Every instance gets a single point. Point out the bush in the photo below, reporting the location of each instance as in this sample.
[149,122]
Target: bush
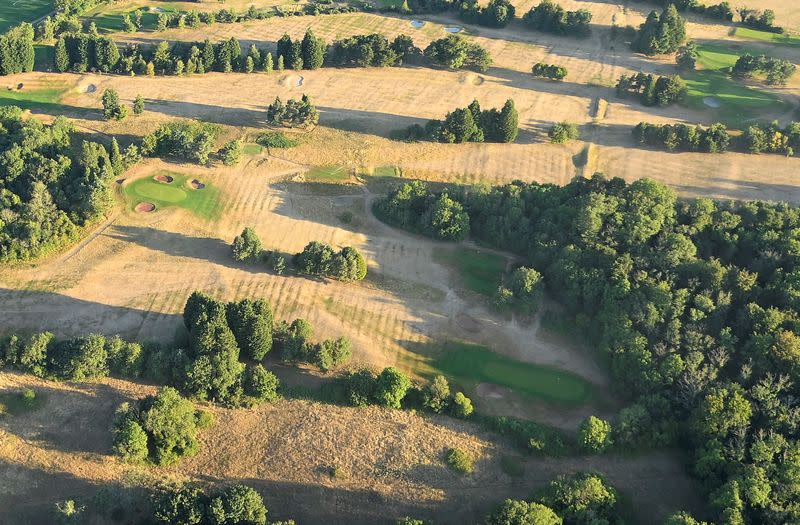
[595,434]
[130,440]
[275,139]
[358,387]
[460,461]
[540,69]
[261,384]
[330,353]
[461,406]
[391,387]
[563,132]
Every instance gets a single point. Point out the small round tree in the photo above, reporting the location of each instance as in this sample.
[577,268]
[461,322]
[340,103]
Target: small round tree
[391,387]
[595,434]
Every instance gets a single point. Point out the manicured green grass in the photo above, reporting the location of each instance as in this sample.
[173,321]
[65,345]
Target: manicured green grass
[481,272]
[739,103]
[203,202]
[474,364]
[40,98]
[13,12]
[333,173]
[766,36]
[252,149]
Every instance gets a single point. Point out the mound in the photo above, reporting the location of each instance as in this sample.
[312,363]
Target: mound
[166,179]
[197,185]
[145,207]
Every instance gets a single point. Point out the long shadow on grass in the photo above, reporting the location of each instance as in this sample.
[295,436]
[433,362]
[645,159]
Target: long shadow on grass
[745,190]
[27,311]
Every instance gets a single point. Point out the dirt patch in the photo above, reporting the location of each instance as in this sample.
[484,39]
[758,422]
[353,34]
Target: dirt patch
[491,391]
[468,323]
[197,185]
[166,179]
[145,207]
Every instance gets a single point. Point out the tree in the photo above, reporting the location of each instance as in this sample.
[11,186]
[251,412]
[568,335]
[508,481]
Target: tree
[331,353]
[563,132]
[268,66]
[61,56]
[138,105]
[461,406]
[585,498]
[261,384]
[519,512]
[507,126]
[117,162]
[313,50]
[391,387]
[127,23]
[240,505]
[349,265]
[595,434]
[112,109]
[130,440]
[436,394]
[687,56]
[294,57]
[251,323]
[660,34]
[231,153]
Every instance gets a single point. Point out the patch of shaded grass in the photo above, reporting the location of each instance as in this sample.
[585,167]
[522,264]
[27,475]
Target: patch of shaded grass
[474,364]
[766,36]
[481,272]
[512,465]
[329,174]
[202,202]
[20,402]
[40,98]
[15,12]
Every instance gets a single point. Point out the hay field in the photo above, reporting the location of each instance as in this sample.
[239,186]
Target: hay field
[393,460]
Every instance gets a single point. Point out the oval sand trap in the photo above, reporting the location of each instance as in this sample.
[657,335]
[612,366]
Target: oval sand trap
[91,88]
[145,207]
[471,78]
[454,29]
[712,102]
[417,24]
[197,185]
[291,80]
[166,179]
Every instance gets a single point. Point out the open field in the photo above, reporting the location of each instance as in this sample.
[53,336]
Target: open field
[13,12]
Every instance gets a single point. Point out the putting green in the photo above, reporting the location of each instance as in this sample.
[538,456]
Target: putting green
[178,193]
[474,364]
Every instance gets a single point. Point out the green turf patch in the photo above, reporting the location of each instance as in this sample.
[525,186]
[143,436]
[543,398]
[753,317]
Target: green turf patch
[766,36]
[16,403]
[335,173]
[179,193]
[110,20]
[473,364]
[275,139]
[481,272]
[252,149]
[13,12]
[47,97]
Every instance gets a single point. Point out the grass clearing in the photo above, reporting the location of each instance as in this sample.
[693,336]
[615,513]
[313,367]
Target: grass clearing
[766,36]
[44,96]
[16,403]
[329,174]
[13,12]
[480,271]
[252,149]
[474,364]
[201,202]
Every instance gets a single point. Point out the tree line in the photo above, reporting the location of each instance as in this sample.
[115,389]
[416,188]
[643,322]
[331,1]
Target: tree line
[470,124]
[775,70]
[52,184]
[550,17]
[16,50]
[721,11]
[653,90]
[693,301]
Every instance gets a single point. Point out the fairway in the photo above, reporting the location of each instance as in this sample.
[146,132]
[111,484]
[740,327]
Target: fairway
[766,36]
[179,193]
[328,174]
[480,272]
[13,12]
[478,364]
[41,96]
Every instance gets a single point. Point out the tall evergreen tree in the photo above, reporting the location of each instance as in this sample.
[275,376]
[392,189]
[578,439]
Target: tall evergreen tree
[313,50]
[507,123]
[61,56]
[295,58]
[284,48]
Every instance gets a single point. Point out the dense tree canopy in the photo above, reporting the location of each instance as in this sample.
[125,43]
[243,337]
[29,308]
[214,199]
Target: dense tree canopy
[660,34]
[550,17]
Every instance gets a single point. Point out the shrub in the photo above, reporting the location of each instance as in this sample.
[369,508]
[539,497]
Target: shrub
[391,387]
[460,461]
[261,384]
[124,358]
[563,132]
[330,353]
[130,440]
[461,406]
[540,69]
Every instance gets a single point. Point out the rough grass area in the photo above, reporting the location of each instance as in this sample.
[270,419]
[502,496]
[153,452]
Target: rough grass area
[178,193]
[19,402]
[766,36]
[739,103]
[480,271]
[13,12]
[38,97]
[335,173]
[473,364]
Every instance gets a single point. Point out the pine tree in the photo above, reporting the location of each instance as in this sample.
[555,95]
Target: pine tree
[138,105]
[209,56]
[508,123]
[295,58]
[284,47]
[280,63]
[255,54]
[313,50]
[61,56]
[249,65]
[268,62]
[117,162]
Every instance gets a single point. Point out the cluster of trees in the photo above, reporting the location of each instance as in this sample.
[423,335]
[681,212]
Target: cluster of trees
[455,52]
[321,259]
[652,89]
[292,114]
[776,70]
[293,340]
[50,184]
[16,50]
[235,505]
[308,53]
[721,11]
[82,52]
[371,50]
[562,132]
[757,19]
[497,13]
[186,140]
[540,69]
[772,138]
[246,247]
[684,137]
[470,124]
[413,207]
[161,428]
[552,18]
[695,304]
[181,19]
[660,34]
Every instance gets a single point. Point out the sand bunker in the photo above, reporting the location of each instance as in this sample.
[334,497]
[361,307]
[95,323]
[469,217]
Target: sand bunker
[91,88]
[491,391]
[166,179]
[468,323]
[145,207]
[712,102]
[197,185]
[119,181]
[291,80]
[157,10]
[471,78]
[417,24]
[454,29]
